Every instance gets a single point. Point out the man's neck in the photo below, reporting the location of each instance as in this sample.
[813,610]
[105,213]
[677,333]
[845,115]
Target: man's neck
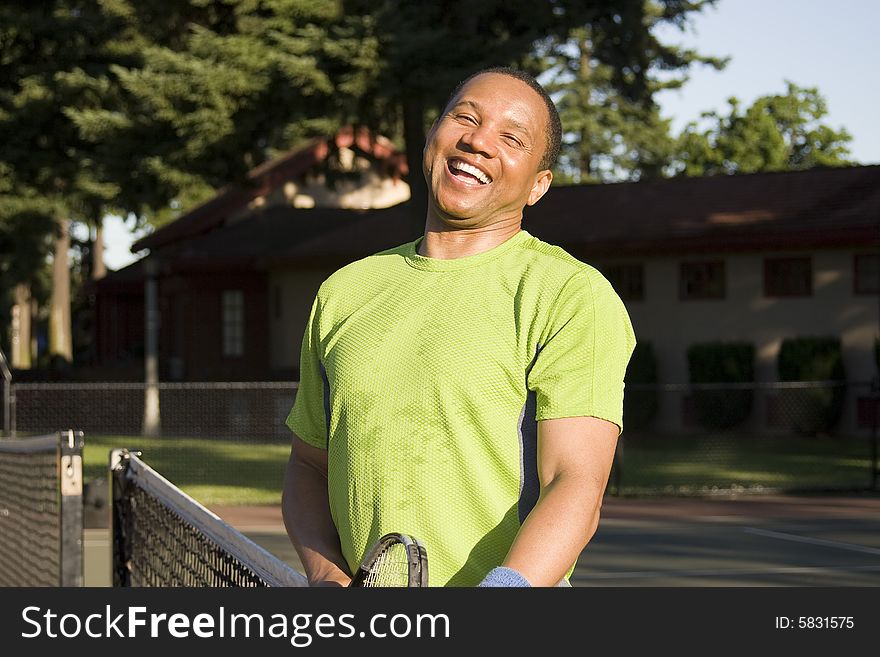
[444,243]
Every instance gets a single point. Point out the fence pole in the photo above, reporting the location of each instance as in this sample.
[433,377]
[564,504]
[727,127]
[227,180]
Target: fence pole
[152,423]
[8,426]
[875,421]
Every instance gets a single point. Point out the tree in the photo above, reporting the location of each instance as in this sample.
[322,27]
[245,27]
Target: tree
[777,132]
[217,87]
[601,53]
[47,177]
[605,93]
[214,89]
[147,108]
[25,223]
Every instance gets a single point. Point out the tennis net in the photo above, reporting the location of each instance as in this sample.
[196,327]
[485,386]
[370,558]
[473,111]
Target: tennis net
[41,513]
[163,537]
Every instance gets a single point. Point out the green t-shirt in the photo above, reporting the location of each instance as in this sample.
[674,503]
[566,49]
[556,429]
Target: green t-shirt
[425,379]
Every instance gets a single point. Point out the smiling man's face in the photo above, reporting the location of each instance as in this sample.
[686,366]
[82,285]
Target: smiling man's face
[482,157]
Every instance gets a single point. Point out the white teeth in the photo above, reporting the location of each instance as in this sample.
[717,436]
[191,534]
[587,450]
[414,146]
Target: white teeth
[474,171]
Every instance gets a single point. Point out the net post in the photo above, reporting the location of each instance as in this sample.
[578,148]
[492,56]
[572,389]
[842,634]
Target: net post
[70,449]
[117,467]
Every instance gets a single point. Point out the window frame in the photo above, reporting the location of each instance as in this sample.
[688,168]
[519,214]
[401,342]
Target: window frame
[624,286]
[860,290]
[769,261]
[682,290]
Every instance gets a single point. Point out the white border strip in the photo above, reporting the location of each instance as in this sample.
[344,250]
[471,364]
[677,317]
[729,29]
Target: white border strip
[852,547]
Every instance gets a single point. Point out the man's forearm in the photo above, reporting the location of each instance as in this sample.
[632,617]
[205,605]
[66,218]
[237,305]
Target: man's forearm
[306,512]
[575,455]
[556,531]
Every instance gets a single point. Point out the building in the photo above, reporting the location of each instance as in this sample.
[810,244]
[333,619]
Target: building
[753,258]
[749,258]
[215,283]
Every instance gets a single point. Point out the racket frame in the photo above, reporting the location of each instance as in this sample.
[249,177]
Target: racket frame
[417,560]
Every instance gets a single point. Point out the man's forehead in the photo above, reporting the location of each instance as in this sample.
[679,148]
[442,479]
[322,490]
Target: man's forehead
[517,97]
[488,82]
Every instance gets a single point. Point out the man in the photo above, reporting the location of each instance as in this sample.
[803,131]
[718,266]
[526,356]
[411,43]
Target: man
[465,388]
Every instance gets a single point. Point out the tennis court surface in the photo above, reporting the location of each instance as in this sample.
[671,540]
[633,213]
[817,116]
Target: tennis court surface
[744,541]
[749,541]
[165,538]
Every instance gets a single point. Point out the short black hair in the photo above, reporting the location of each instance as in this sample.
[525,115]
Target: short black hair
[553,129]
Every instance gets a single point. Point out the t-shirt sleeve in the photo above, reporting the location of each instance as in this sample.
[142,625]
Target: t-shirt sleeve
[308,417]
[583,352]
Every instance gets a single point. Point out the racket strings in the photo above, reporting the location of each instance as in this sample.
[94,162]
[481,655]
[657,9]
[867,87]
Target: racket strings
[391,568]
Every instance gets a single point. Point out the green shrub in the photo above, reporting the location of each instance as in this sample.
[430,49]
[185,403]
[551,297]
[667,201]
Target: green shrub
[640,405]
[812,410]
[720,362]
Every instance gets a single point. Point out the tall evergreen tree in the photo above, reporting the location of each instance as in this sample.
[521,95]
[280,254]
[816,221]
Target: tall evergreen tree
[605,91]
[220,85]
[214,89]
[44,168]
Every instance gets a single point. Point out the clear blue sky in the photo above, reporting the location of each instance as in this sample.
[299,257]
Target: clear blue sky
[828,44]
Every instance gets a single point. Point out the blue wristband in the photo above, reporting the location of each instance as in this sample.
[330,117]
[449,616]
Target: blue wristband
[503,576]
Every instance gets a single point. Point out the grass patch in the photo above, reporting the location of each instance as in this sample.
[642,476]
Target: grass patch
[702,463]
[214,472]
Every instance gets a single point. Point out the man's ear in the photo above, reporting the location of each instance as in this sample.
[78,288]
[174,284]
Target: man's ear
[542,184]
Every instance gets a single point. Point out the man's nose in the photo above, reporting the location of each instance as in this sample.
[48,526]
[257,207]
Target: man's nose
[480,140]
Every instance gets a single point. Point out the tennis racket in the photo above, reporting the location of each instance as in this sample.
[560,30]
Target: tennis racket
[396,560]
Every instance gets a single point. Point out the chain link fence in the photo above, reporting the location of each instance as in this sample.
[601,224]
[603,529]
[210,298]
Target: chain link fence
[678,439]
[253,411]
[712,438]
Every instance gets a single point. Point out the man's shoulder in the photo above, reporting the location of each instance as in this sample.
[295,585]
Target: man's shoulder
[550,258]
[554,270]
[366,268]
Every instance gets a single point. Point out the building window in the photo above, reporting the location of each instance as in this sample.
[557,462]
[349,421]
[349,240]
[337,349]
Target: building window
[628,280]
[788,277]
[233,323]
[701,280]
[866,277]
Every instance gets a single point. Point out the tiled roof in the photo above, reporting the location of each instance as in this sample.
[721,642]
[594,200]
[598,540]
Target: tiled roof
[804,209]
[263,179]
[819,208]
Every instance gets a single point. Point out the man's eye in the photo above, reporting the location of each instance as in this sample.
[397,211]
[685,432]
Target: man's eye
[466,117]
[513,140]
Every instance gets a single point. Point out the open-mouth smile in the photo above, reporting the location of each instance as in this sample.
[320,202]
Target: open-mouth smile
[467,172]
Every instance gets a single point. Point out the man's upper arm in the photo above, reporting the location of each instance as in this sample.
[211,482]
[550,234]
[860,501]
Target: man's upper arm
[306,454]
[576,446]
